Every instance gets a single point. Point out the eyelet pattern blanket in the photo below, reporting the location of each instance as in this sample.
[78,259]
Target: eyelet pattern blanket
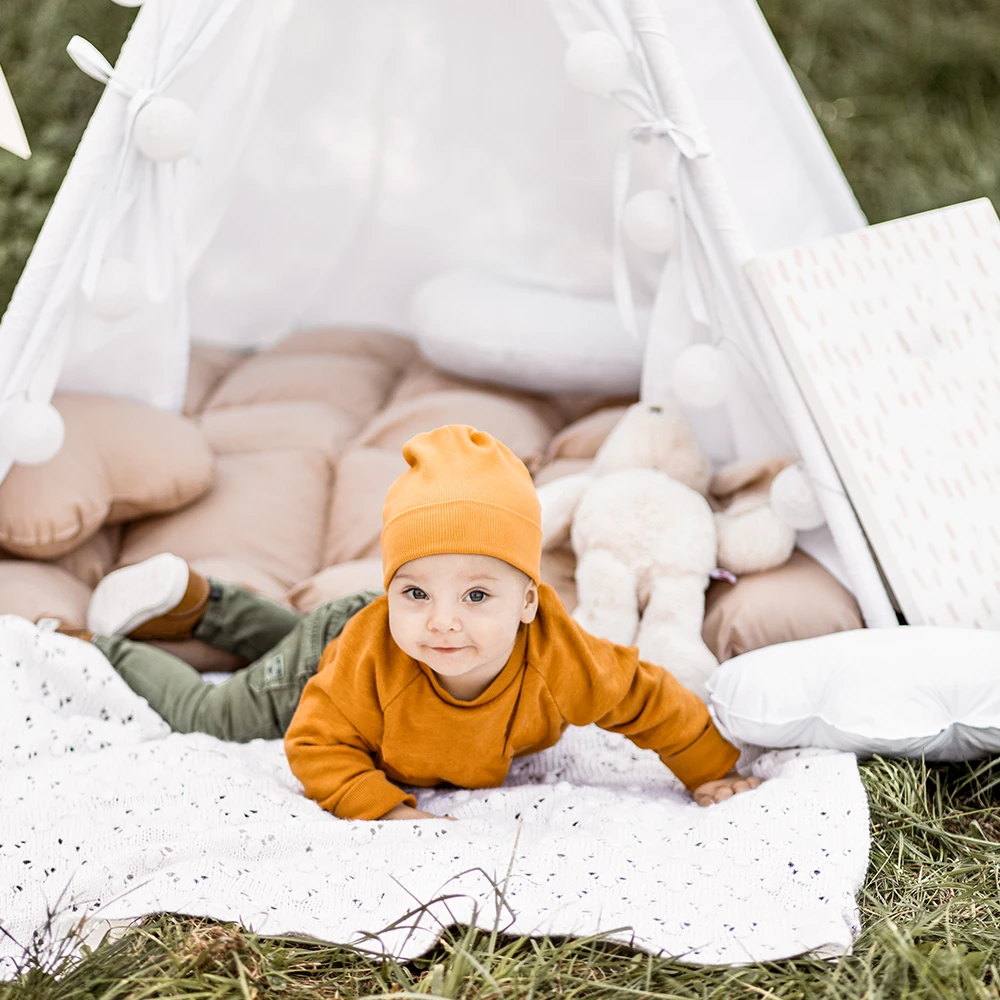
[106,816]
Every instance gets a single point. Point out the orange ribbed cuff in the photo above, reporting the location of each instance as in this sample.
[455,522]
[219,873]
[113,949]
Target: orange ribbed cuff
[370,796]
[710,757]
[472,527]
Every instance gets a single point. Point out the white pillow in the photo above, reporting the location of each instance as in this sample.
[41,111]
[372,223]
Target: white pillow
[903,692]
[526,337]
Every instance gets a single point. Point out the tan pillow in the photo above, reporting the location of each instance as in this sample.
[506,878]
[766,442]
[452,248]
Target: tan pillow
[92,561]
[33,590]
[559,572]
[243,573]
[390,348]
[206,366]
[121,460]
[267,509]
[514,423]
[561,467]
[337,581]
[796,601]
[269,426]
[363,478]
[421,377]
[574,406]
[355,386]
[583,438]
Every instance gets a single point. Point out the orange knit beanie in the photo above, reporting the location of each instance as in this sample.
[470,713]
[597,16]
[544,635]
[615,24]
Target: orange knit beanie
[464,492]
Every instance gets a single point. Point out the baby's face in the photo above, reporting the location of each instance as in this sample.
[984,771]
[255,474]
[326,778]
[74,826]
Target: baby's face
[459,615]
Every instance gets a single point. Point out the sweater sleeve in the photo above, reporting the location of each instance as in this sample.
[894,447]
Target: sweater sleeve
[334,761]
[658,713]
[594,680]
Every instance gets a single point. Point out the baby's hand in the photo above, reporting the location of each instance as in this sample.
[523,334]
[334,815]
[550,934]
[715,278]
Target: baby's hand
[403,811]
[723,788]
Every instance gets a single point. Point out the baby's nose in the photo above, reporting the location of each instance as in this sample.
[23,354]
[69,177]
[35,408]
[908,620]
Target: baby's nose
[443,619]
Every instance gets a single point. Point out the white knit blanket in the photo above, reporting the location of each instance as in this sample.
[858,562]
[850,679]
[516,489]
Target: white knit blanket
[105,816]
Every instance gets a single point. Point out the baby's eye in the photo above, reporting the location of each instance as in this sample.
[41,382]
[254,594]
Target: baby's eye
[416,593]
[477,596]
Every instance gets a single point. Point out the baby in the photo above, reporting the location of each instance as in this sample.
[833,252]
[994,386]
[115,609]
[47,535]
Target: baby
[466,661]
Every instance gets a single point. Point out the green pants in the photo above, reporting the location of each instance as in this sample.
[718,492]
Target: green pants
[284,648]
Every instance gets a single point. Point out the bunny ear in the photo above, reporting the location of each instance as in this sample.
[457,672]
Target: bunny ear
[752,473]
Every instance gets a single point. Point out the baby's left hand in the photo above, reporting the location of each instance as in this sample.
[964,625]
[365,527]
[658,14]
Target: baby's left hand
[723,788]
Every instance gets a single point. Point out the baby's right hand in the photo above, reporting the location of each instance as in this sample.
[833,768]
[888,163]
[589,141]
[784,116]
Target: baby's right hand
[403,811]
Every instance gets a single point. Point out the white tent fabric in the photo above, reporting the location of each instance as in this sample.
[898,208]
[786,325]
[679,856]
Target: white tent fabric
[347,152]
[12,135]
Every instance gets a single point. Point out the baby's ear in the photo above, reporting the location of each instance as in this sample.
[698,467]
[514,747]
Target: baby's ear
[530,602]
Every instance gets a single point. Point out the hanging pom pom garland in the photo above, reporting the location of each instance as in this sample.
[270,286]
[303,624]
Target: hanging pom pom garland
[650,220]
[702,376]
[118,291]
[166,129]
[597,63]
[794,500]
[30,432]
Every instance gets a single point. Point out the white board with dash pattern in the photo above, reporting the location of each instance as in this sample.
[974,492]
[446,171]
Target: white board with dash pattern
[893,334]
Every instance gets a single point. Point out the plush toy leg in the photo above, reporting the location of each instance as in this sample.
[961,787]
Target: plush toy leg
[606,590]
[670,633]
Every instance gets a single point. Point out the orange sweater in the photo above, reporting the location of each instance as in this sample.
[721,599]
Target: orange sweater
[373,715]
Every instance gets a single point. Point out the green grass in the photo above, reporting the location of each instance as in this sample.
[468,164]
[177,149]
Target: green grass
[908,92]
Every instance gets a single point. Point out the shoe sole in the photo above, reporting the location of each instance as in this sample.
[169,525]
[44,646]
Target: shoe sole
[134,595]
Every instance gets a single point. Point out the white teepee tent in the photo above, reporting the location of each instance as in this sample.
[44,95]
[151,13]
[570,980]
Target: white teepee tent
[259,165]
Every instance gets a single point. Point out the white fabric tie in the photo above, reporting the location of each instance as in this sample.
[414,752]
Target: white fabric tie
[686,147]
[157,181]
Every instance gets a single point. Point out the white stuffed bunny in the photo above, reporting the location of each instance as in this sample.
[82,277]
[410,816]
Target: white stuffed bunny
[645,540]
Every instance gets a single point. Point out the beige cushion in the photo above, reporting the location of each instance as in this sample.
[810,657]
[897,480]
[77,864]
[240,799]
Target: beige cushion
[420,378]
[583,438]
[354,525]
[267,509]
[561,467]
[121,460]
[268,426]
[574,406]
[355,386]
[243,573]
[516,423]
[32,589]
[93,560]
[798,600]
[391,349]
[559,572]
[337,581]
[206,366]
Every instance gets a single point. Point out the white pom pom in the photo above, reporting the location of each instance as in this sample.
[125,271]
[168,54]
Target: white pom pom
[702,376]
[650,220]
[597,63]
[118,291]
[30,432]
[794,500]
[165,129]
